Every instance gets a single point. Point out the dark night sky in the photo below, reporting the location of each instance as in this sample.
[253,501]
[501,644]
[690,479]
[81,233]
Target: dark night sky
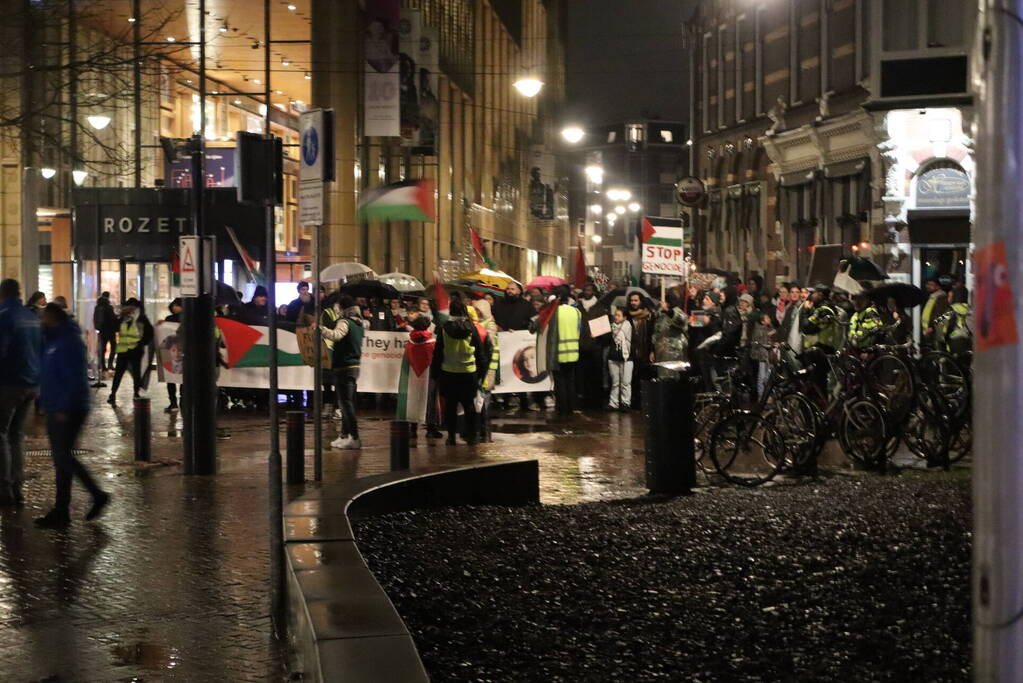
[625,59]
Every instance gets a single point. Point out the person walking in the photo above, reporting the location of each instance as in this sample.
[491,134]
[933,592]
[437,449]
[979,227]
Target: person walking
[64,397]
[344,329]
[104,321]
[460,360]
[619,362]
[176,307]
[21,343]
[133,336]
[36,302]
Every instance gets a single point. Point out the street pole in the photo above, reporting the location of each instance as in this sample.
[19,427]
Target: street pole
[317,363]
[199,389]
[136,42]
[276,493]
[997,463]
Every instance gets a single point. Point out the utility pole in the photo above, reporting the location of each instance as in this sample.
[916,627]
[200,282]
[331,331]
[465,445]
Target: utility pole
[199,389]
[998,364]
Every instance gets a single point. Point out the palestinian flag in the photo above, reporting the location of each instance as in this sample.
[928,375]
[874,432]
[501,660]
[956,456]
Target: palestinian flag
[546,338]
[250,263]
[480,249]
[249,347]
[414,380]
[175,269]
[409,200]
[579,276]
[441,300]
[664,232]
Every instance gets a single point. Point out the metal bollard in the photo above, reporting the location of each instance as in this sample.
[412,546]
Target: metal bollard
[295,466]
[399,445]
[668,413]
[143,430]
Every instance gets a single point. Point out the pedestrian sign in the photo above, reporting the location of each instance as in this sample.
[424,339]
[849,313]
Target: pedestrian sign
[189,249]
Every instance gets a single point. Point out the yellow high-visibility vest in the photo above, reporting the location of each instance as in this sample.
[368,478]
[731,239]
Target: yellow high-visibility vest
[129,336]
[568,334]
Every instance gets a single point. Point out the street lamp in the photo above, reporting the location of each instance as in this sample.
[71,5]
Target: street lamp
[619,210]
[98,121]
[634,207]
[79,176]
[47,172]
[616,194]
[594,208]
[597,239]
[572,134]
[528,86]
[595,174]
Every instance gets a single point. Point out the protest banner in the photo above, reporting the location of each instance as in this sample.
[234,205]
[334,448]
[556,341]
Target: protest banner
[246,353]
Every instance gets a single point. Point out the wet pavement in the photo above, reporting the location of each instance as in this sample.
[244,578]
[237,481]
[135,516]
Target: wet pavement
[171,583]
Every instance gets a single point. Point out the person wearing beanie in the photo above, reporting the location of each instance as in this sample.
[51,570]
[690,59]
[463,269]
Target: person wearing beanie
[257,310]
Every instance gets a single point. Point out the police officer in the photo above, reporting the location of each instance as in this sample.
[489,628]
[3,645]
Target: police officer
[865,324]
[133,336]
[821,329]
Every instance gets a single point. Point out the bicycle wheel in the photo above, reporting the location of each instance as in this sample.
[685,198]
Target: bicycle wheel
[863,432]
[745,449]
[798,426]
[927,433]
[961,443]
[707,411]
[890,382]
[940,371]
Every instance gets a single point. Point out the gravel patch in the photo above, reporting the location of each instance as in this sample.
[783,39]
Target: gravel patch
[849,579]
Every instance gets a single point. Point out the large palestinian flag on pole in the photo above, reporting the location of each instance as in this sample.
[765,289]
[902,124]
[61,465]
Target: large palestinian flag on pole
[410,200]
[414,380]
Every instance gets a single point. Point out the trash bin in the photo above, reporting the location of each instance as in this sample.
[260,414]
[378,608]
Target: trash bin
[668,415]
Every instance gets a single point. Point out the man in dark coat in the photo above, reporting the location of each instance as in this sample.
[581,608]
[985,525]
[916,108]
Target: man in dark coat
[104,321]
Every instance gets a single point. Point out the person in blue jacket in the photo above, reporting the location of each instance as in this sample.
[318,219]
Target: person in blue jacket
[64,397]
[21,342]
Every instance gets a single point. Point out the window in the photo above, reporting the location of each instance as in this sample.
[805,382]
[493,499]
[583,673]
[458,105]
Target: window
[612,136]
[666,135]
[899,25]
[707,76]
[635,131]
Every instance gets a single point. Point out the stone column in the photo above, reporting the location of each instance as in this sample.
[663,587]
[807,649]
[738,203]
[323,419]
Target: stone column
[337,85]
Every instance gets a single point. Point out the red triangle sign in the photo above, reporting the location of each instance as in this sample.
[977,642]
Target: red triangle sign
[187,262]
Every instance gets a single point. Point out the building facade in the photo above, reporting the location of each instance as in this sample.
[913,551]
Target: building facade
[832,122]
[135,84]
[621,172]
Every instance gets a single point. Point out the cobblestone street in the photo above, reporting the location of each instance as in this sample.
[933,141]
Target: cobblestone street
[171,582]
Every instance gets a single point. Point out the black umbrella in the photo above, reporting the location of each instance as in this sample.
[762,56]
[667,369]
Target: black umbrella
[859,268]
[369,289]
[905,294]
[227,295]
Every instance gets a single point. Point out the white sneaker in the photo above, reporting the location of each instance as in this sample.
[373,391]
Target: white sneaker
[340,442]
[351,445]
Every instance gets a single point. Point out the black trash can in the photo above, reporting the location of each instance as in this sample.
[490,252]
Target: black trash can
[668,414]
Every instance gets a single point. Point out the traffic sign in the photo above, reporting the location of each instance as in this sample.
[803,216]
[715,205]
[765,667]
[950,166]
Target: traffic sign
[690,191]
[316,159]
[310,202]
[189,249]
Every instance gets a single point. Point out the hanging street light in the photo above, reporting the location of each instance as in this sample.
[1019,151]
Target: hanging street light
[619,210]
[528,86]
[98,121]
[595,174]
[572,134]
[47,172]
[79,176]
[634,207]
[595,208]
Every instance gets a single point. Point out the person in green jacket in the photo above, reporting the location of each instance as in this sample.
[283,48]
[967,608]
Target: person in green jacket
[344,330]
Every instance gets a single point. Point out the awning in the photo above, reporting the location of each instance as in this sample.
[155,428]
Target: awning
[797,178]
[843,169]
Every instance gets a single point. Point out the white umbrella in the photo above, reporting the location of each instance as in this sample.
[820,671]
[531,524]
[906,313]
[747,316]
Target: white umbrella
[403,282]
[336,272]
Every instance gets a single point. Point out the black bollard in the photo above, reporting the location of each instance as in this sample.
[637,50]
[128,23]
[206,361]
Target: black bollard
[399,445]
[296,447]
[143,430]
[668,413]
